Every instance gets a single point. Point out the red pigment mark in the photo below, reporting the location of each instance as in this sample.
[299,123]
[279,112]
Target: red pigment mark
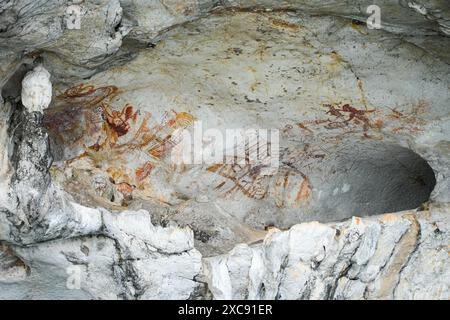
[409,121]
[126,189]
[305,191]
[302,126]
[88,95]
[119,121]
[103,126]
[379,123]
[356,116]
[396,114]
[143,171]
[333,111]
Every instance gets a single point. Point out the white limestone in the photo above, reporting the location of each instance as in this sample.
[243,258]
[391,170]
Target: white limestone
[37,90]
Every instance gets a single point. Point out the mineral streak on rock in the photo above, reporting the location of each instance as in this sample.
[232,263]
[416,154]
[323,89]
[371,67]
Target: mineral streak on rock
[5,110]
[32,160]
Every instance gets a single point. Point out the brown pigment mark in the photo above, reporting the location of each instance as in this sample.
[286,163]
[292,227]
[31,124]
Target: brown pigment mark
[88,95]
[355,116]
[284,24]
[117,123]
[304,193]
[143,171]
[302,126]
[126,190]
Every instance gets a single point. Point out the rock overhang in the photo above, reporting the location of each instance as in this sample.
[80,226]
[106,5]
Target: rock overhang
[268,75]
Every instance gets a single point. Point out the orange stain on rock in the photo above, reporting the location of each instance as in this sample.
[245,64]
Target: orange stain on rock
[304,192]
[214,167]
[126,190]
[389,217]
[143,171]
[379,123]
[302,126]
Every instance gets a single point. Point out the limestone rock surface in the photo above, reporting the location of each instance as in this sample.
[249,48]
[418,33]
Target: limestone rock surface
[383,257]
[92,206]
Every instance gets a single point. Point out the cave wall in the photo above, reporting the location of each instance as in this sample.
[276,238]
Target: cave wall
[150,252]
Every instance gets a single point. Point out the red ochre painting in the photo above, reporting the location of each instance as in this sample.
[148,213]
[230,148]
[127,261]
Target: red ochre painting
[127,145]
[124,142]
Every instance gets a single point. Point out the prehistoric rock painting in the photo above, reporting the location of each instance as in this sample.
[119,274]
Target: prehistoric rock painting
[286,187]
[369,122]
[245,178]
[121,147]
[409,121]
[120,141]
[122,144]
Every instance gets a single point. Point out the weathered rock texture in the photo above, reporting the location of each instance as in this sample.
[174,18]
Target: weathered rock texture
[91,205]
[401,256]
[39,28]
[394,256]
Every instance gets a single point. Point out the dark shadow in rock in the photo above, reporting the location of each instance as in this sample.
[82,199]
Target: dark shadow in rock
[372,178]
